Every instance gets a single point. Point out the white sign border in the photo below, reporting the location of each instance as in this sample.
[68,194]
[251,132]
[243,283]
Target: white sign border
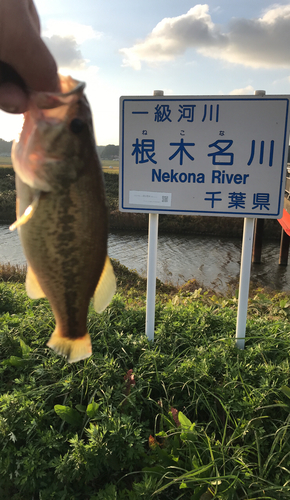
[209,212]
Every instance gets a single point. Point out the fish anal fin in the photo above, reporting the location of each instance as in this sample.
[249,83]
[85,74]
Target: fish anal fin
[106,287]
[17,207]
[73,349]
[33,288]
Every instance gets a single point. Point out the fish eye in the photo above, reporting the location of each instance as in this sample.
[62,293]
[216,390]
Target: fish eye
[76,125]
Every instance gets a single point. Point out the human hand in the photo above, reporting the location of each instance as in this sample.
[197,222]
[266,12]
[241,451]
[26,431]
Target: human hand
[25,61]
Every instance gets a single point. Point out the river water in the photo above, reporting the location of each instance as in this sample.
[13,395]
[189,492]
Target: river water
[212,261]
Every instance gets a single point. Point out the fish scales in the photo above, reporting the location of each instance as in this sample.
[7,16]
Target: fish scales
[65,238]
[61,245]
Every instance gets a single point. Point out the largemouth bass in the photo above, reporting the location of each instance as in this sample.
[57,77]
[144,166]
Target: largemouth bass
[62,215]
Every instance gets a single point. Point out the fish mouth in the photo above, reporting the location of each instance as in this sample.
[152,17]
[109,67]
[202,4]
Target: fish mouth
[52,107]
[45,132]
[70,91]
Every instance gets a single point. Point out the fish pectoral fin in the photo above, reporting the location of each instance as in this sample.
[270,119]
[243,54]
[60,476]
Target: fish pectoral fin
[27,214]
[105,288]
[73,349]
[33,288]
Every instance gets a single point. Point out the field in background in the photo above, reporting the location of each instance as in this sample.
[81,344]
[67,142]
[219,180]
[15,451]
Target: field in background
[110,166]
[5,161]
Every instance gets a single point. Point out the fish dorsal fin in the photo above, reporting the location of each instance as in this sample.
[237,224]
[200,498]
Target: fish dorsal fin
[33,288]
[105,288]
[27,214]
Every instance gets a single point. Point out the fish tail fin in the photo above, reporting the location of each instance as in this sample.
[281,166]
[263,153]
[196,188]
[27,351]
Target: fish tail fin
[73,349]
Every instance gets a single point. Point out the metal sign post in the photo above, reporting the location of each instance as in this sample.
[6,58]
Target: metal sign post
[245,274]
[151,266]
[151,275]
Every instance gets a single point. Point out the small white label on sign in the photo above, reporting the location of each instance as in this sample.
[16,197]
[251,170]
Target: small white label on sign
[150,198]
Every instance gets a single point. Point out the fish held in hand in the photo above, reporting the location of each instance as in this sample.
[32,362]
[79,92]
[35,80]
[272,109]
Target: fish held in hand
[62,214]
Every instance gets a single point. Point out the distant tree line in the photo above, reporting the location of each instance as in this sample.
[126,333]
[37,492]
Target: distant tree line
[108,152]
[5,147]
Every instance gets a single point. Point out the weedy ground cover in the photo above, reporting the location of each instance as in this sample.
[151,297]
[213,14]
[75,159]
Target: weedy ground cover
[186,416]
[7,193]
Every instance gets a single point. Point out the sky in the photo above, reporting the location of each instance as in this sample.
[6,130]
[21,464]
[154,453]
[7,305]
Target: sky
[133,47]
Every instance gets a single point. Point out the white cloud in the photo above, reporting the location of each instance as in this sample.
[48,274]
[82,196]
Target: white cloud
[172,36]
[64,38]
[81,32]
[249,90]
[260,43]
[65,51]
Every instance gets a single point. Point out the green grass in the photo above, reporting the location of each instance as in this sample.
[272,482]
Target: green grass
[5,161]
[186,416]
[7,194]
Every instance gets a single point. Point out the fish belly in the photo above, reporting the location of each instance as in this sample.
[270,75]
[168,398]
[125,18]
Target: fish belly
[65,243]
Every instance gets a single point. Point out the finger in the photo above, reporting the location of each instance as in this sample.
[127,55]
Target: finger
[22,47]
[13,93]
[36,65]
[12,98]
[34,16]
